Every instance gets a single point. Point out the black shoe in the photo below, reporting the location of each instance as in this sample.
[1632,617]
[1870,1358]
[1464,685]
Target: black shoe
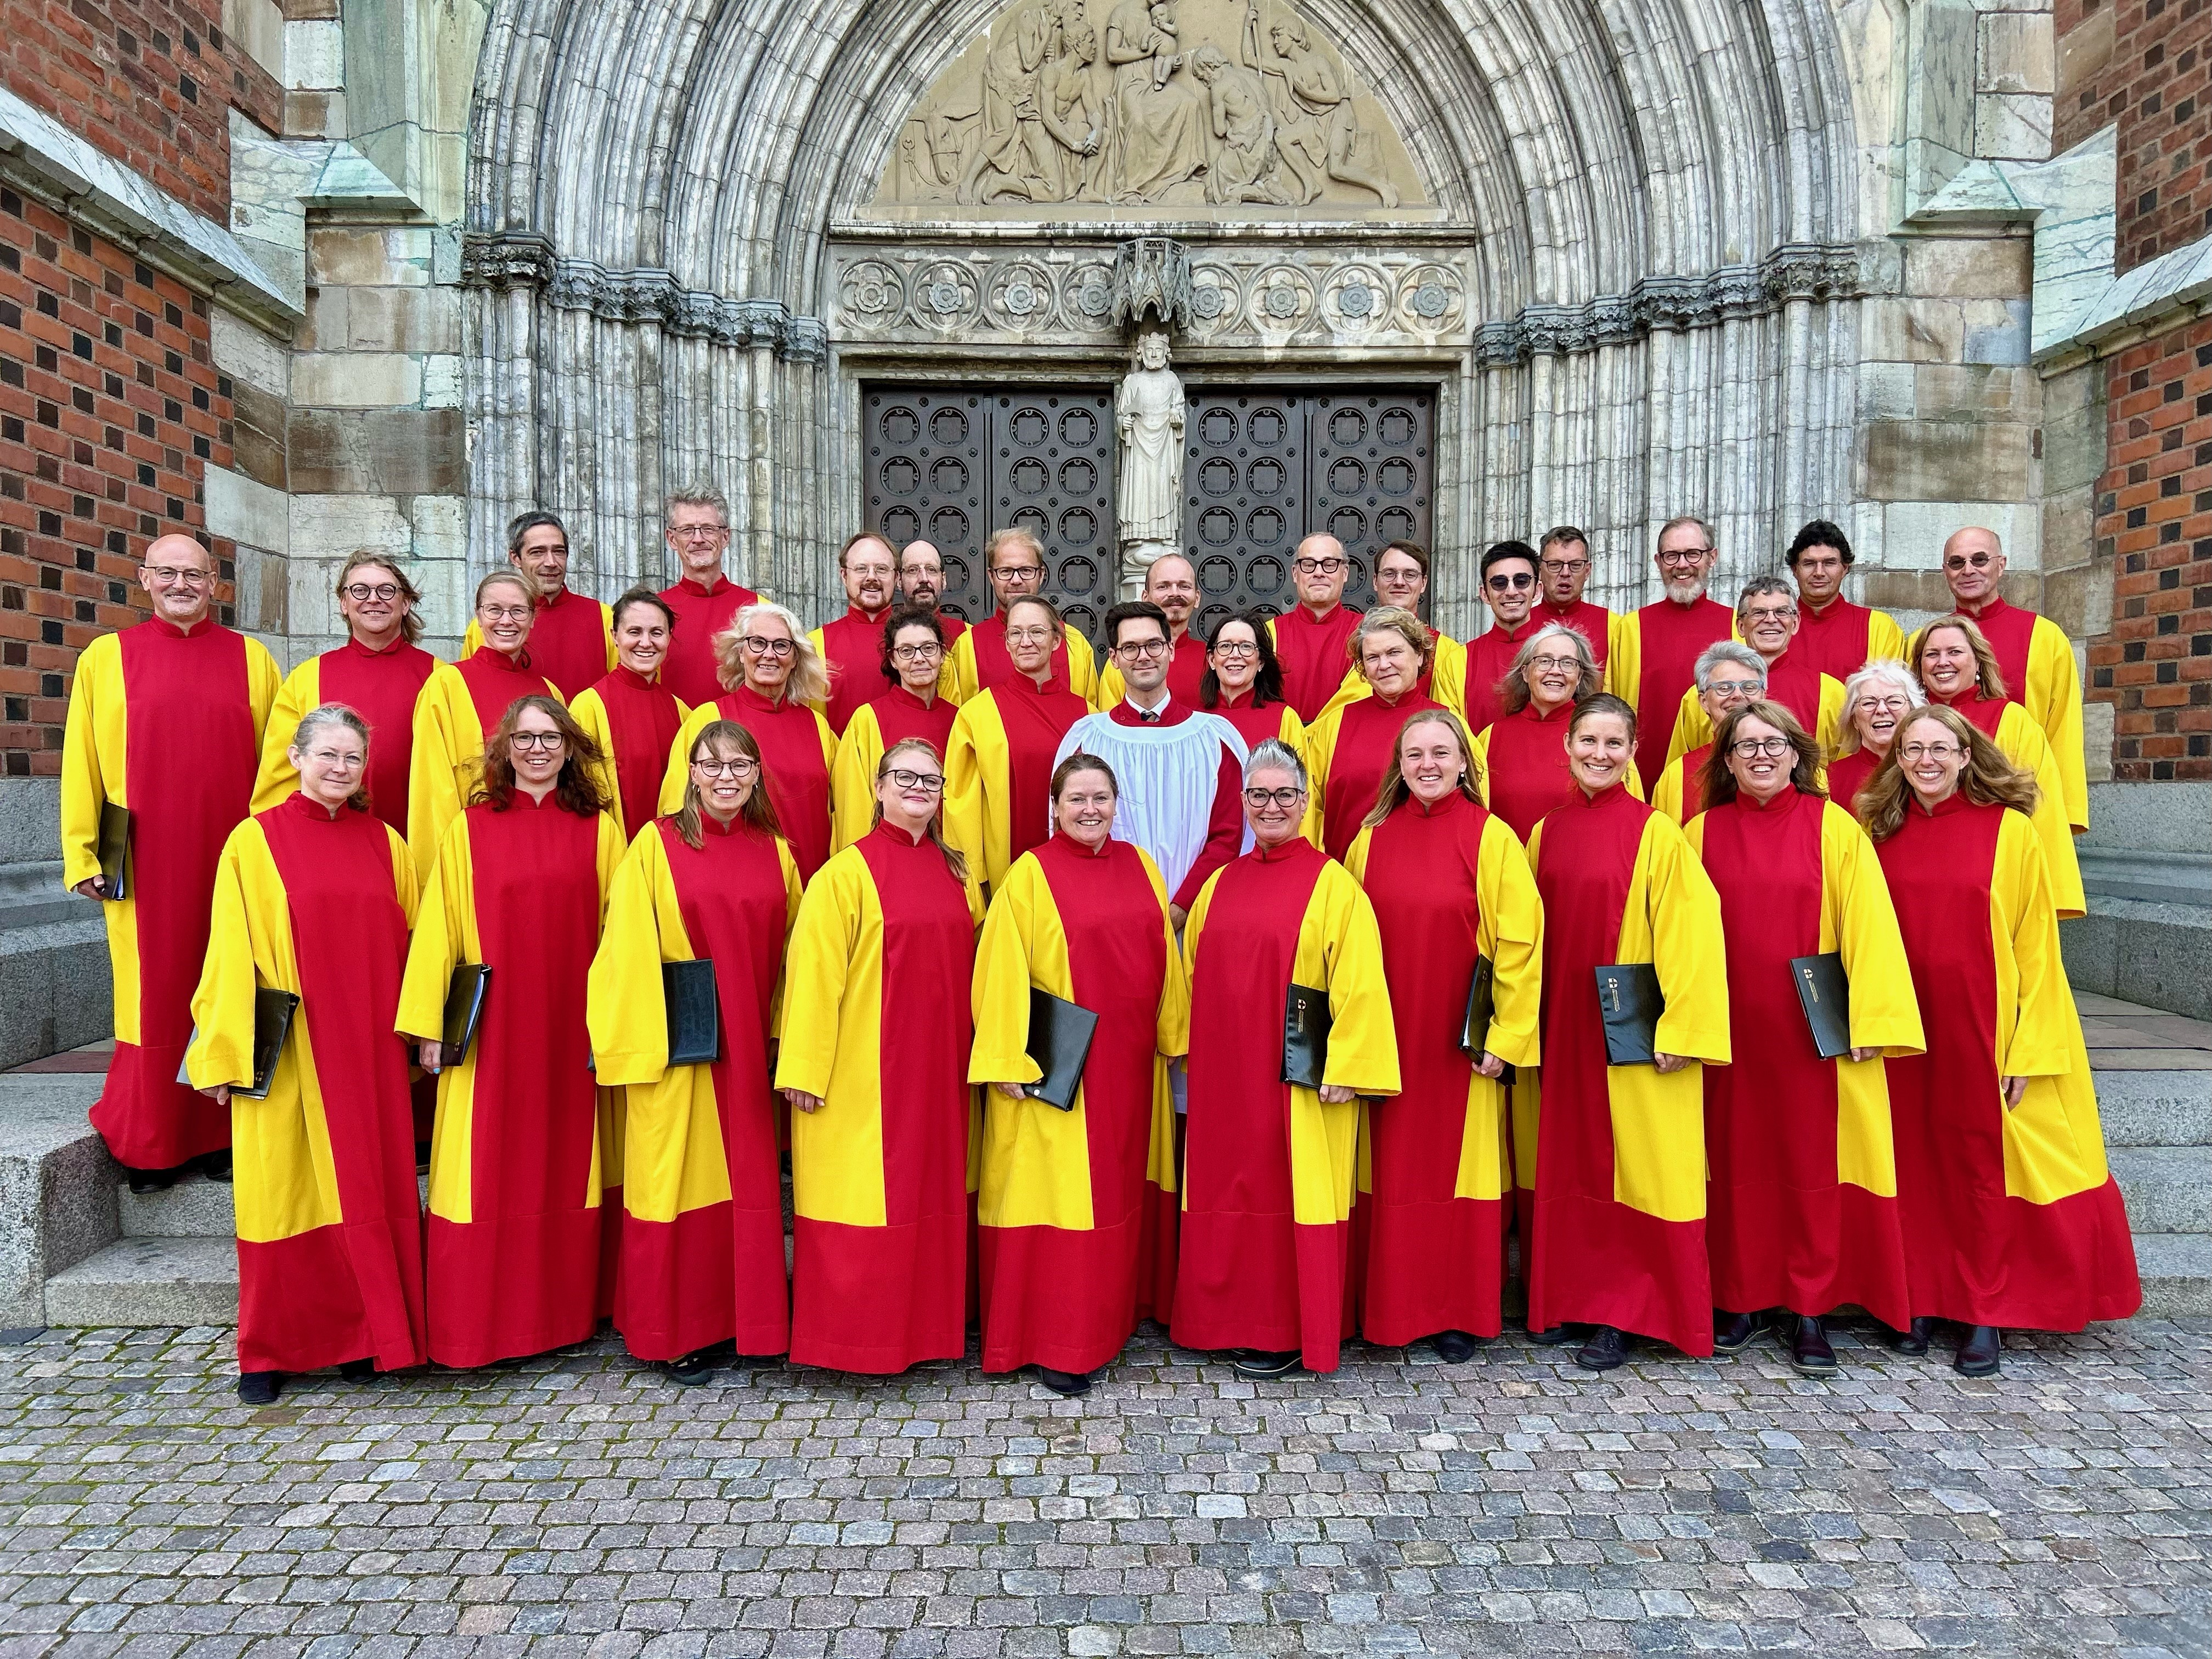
[1255,1362]
[1073,1384]
[1979,1353]
[1913,1340]
[421,1157]
[1607,1350]
[1734,1333]
[358,1370]
[258,1388]
[693,1370]
[1455,1348]
[215,1165]
[150,1181]
[1808,1348]
[1550,1336]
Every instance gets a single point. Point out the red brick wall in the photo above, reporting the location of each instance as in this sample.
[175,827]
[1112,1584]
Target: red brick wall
[2148,66]
[110,411]
[2155,514]
[149,81]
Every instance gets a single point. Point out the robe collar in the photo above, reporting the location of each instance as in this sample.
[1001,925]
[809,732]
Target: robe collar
[498,659]
[855,613]
[203,626]
[1611,795]
[1530,712]
[1995,605]
[1443,809]
[302,805]
[1821,610]
[1296,847]
[1779,807]
[698,591]
[898,837]
[746,697]
[374,653]
[1076,849]
[560,595]
[900,695]
[632,679]
[1021,681]
[1956,801]
[708,824]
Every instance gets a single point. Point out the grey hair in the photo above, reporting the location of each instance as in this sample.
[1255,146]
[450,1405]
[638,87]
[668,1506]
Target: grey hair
[1681,519]
[1273,752]
[1721,651]
[1765,584]
[330,714]
[1880,671]
[809,680]
[1514,694]
[699,495]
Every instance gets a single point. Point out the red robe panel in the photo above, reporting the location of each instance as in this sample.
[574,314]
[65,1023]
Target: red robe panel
[1312,654]
[643,717]
[1366,748]
[1489,654]
[1593,622]
[690,671]
[1669,637]
[1254,722]
[1834,641]
[900,715]
[2010,629]
[853,647]
[1848,774]
[380,686]
[1525,772]
[1035,717]
[568,641]
[495,681]
[798,777]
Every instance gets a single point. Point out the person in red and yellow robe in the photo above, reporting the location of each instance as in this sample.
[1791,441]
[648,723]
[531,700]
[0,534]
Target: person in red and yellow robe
[165,719]
[1264,1265]
[1729,674]
[1766,620]
[1450,888]
[874,1061]
[1508,579]
[459,703]
[315,898]
[1520,761]
[999,761]
[571,638]
[1803,1180]
[915,706]
[981,655]
[630,715]
[2011,1214]
[1244,684]
[1353,745]
[704,600]
[1834,636]
[702,1229]
[1619,1159]
[1563,571]
[379,674]
[1310,639]
[1077,1208]
[777,690]
[851,646]
[519,884]
[1650,661]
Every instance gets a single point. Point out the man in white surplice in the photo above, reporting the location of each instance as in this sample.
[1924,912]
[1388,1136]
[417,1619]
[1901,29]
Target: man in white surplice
[1181,770]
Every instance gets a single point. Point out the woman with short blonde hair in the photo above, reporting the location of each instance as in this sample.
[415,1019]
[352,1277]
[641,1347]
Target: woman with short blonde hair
[1349,749]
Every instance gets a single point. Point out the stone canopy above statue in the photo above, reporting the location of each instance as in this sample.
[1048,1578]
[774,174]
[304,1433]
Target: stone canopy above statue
[1193,108]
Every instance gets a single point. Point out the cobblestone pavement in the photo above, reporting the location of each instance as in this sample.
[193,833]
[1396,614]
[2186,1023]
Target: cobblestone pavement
[580,1505]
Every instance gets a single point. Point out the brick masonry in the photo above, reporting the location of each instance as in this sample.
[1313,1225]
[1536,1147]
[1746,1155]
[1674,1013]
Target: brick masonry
[110,410]
[2146,64]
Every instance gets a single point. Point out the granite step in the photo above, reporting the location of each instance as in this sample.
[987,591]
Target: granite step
[2155,1108]
[195,1207]
[2177,1273]
[147,1281]
[2168,1188]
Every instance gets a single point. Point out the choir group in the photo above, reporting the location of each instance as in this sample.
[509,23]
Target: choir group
[1698,965]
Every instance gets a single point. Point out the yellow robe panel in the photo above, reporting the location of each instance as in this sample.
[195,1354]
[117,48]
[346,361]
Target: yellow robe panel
[960,673]
[853,779]
[2023,743]
[301,692]
[979,790]
[1694,727]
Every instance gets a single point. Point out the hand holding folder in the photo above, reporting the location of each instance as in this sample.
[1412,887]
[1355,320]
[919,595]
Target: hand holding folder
[1824,994]
[1061,1032]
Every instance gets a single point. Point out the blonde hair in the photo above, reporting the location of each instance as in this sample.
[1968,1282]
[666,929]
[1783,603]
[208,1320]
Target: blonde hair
[410,625]
[1989,778]
[520,583]
[809,682]
[719,735]
[1988,676]
[934,829]
[1391,619]
[1395,791]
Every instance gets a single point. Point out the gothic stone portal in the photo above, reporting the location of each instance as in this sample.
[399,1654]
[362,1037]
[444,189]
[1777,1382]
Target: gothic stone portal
[1262,468]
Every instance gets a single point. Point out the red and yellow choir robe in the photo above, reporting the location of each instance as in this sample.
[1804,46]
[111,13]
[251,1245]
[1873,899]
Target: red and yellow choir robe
[1076,1209]
[2011,1216]
[167,721]
[977,661]
[1522,760]
[1847,774]
[382,687]
[796,748]
[329,1227]
[516,1154]
[460,705]
[885,944]
[690,671]
[572,642]
[998,770]
[851,650]
[1489,654]
[1312,652]
[1815,698]
[1449,884]
[632,720]
[1593,622]
[1255,726]
[1842,638]
[1186,668]
[1654,655]
[1444,683]
[1265,1258]
[2021,740]
[1681,791]
[1617,1158]
[1347,753]
[2036,660]
[1802,1180]
[702,1227]
[892,717]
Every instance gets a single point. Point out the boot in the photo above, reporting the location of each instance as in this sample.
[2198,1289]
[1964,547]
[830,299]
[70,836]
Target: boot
[1072,1384]
[1914,1339]
[1734,1333]
[258,1388]
[1607,1350]
[1455,1347]
[1808,1348]
[1979,1353]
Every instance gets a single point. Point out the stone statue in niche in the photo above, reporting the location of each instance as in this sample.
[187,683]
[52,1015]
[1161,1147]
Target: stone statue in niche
[1148,413]
[1317,131]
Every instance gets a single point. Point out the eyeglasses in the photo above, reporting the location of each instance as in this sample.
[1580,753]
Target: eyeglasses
[1502,581]
[1256,798]
[755,646]
[338,762]
[1737,688]
[916,653]
[1770,613]
[1018,572]
[361,593]
[537,739]
[739,767]
[1684,555]
[1555,664]
[1236,648]
[1566,567]
[697,532]
[1028,635]
[1930,751]
[1318,566]
[928,782]
[1885,705]
[1961,561]
[500,613]
[1142,648]
[1749,747]
[170,575]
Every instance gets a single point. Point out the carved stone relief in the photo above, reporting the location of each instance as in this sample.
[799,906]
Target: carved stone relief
[1204,106]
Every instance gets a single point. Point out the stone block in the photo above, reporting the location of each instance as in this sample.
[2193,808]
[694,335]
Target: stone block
[1913,533]
[417,320]
[2151,817]
[1886,392]
[2012,126]
[398,452]
[258,26]
[2074,449]
[314,54]
[2016,53]
[332,526]
[1913,331]
[2168,1188]
[193,1208]
[1996,330]
[368,256]
[2177,1274]
[1948,460]
[324,329]
[58,1187]
[246,510]
[441,530]
[30,820]
[2166,961]
[257,443]
[2098,730]
[147,1281]
[314,115]
[2155,1108]
[441,384]
[356,380]
[1969,267]
[248,355]
[1952,391]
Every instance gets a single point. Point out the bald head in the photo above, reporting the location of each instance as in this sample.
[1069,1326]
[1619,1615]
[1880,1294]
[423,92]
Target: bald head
[1319,571]
[179,576]
[1172,583]
[1973,563]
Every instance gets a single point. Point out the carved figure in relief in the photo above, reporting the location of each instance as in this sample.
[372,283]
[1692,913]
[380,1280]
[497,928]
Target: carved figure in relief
[1317,131]
[1013,154]
[1159,138]
[1072,113]
[1244,167]
[1149,414]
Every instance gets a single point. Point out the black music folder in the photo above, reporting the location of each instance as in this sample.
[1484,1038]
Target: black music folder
[465,1001]
[1305,1036]
[694,1015]
[1481,1007]
[272,1024]
[1630,1003]
[1059,1042]
[115,850]
[1825,996]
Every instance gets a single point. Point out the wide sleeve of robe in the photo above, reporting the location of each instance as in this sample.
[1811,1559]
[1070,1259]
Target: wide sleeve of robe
[93,764]
[301,692]
[2053,696]
[625,1009]
[1858,920]
[978,772]
[839,914]
[1673,922]
[1511,934]
[447,737]
[1341,943]
[2025,747]
[852,778]
[445,937]
[1318,749]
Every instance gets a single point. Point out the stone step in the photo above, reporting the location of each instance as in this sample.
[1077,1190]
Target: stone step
[2155,1108]
[2168,1188]
[56,1187]
[147,1281]
[2177,1273]
[195,1207]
